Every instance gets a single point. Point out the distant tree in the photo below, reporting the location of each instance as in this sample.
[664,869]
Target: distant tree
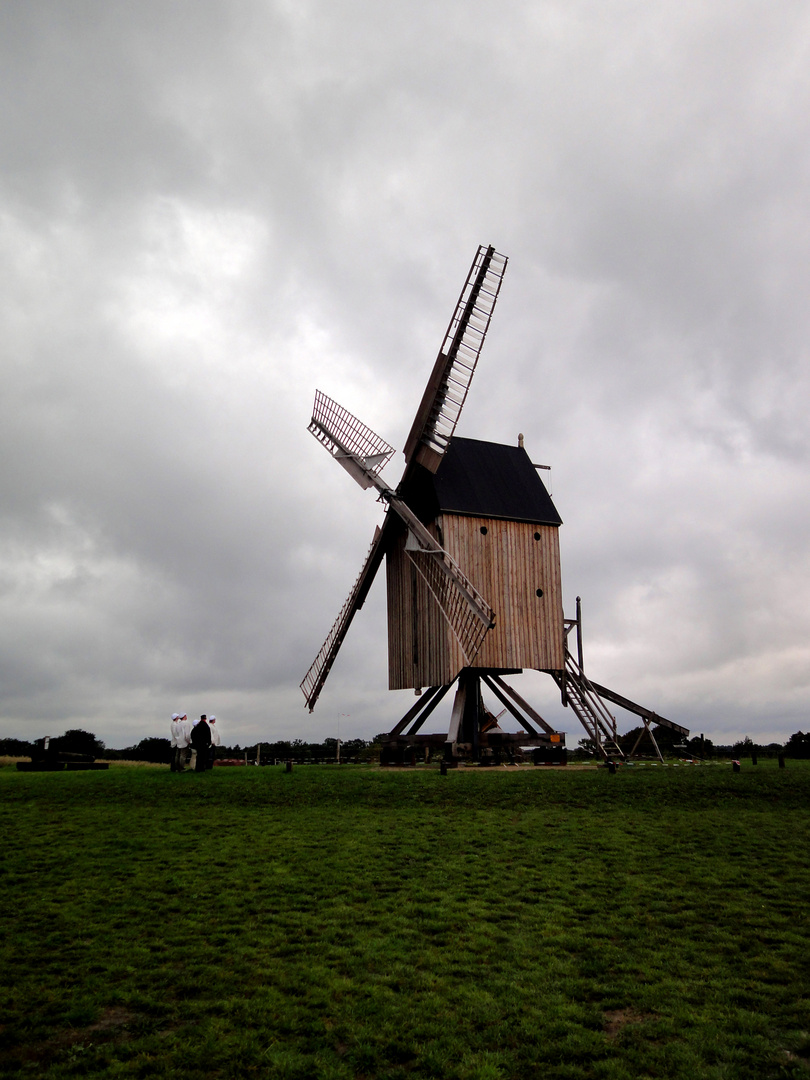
[16,747]
[353,746]
[798,745]
[743,746]
[151,749]
[628,741]
[696,746]
[76,741]
[669,742]
[585,748]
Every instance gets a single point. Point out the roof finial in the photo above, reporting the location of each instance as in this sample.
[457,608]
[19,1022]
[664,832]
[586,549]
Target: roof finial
[520,440]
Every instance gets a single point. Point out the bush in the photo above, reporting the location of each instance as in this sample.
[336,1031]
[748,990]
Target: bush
[76,741]
[152,749]
[16,747]
[798,745]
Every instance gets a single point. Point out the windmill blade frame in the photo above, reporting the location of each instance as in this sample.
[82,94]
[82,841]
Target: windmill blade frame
[449,382]
[459,600]
[361,451]
[316,676]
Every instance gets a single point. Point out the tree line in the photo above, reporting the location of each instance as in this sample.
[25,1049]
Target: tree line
[156,750]
[673,745]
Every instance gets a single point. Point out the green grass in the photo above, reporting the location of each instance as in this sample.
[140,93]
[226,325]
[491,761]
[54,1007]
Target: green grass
[352,922]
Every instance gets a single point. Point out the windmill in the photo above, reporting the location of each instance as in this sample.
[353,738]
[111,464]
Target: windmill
[471,543]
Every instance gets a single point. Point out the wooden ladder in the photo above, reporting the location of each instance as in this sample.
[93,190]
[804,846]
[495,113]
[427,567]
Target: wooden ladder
[589,708]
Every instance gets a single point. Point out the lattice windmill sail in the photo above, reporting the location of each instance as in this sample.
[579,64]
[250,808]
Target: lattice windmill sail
[363,453]
[471,546]
[350,442]
[438,413]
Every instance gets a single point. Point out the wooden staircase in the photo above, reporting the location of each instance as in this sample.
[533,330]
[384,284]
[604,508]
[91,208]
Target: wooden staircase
[578,692]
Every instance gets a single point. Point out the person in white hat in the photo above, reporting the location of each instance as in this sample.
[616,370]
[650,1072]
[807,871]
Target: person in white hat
[184,741]
[216,739]
[179,742]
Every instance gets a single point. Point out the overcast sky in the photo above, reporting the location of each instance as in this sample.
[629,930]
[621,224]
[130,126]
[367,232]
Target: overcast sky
[208,209]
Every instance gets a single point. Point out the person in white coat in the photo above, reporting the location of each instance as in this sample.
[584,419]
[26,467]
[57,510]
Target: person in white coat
[184,740]
[176,731]
[216,739]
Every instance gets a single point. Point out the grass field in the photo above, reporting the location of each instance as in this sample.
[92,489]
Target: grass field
[351,922]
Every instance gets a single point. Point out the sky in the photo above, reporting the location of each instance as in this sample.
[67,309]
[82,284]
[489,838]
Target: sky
[209,209]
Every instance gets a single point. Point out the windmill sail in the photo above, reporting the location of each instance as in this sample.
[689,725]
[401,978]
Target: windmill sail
[363,454]
[452,373]
[313,681]
[460,602]
[353,445]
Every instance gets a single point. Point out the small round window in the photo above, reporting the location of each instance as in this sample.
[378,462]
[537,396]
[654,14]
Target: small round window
[484,530]
[537,536]
[539,592]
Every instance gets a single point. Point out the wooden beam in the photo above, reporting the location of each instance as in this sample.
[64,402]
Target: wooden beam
[421,703]
[515,696]
[429,707]
[504,700]
[639,710]
[458,712]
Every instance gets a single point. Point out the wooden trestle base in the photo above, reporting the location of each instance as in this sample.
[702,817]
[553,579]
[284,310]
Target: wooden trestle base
[473,733]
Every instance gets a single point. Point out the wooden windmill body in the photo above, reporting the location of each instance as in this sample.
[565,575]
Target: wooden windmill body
[471,544]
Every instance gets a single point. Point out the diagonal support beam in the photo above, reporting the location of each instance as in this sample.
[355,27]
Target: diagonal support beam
[427,702]
[639,710]
[496,684]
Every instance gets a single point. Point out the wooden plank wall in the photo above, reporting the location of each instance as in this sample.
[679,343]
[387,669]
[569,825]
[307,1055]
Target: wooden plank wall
[418,635]
[507,563]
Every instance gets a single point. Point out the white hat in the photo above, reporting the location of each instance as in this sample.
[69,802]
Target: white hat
[211,719]
[175,716]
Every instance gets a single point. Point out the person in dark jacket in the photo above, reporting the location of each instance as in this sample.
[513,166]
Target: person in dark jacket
[201,740]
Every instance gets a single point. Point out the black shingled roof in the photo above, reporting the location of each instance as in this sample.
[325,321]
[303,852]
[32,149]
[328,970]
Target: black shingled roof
[482,479]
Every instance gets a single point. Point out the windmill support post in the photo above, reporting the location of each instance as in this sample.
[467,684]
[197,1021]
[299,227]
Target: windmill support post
[473,732]
[646,729]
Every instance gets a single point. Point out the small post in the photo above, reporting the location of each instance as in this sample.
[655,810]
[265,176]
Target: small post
[579,634]
[781,761]
[612,768]
[702,747]
[735,766]
[288,766]
[753,757]
[443,768]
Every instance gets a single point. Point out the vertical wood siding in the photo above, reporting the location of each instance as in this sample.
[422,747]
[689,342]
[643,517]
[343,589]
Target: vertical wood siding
[507,565]
[418,635]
